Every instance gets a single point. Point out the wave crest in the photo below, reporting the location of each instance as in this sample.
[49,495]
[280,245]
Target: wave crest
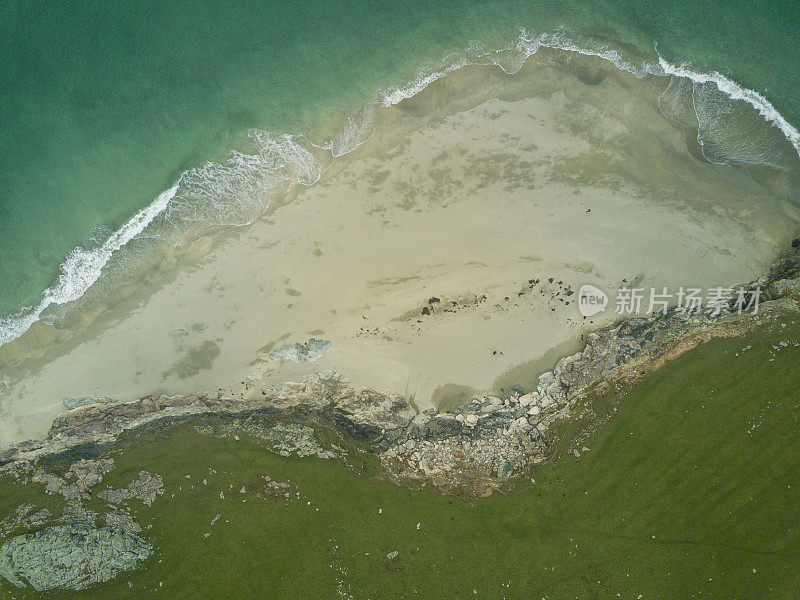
[234,193]
[214,196]
[82,268]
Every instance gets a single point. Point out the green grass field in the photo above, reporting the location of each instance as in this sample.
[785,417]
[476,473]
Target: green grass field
[690,490]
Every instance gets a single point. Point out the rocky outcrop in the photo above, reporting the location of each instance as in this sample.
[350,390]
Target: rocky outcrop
[474,447]
[364,416]
[122,519]
[291,438]
[145,489]
[301,353]
[284,438]
[373,409]
[53,484]
[71,403]
[87,472]
[90,472]
[634,346]
[73,553]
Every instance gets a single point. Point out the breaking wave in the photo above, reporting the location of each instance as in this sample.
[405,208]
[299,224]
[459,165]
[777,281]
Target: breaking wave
[219,195]
[82,268]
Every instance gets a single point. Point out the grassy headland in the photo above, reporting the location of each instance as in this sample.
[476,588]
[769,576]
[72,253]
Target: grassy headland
[690,490]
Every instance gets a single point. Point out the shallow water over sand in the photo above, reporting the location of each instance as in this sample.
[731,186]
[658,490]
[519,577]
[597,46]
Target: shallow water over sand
[415,255]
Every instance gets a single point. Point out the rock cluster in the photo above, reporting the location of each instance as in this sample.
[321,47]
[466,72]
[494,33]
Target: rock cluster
[280,489]
[475,446]
[290,438]
[53,484]
[73,553]
[122,519]
[146,488]
[90,472]
[87,472]
[282,438]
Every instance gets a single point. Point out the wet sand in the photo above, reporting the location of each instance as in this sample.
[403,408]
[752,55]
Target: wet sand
[426,256]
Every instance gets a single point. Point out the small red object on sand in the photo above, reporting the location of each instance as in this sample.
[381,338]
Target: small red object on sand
[588,210]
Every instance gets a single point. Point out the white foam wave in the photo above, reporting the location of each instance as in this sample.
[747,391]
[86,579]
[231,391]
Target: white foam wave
[234,193]
[397,95]
[512,58]
[425,78]
[737,92]
[729,88]
[528,46]
[212,196]
[355,132]
[238,191]
[82,268]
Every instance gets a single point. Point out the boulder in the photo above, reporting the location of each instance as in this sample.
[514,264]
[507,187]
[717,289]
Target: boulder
[526,400]
[146,488]
[90,472]
[71,556]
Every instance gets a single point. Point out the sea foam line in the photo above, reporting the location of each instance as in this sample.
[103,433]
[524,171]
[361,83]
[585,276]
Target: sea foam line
[525,47]
[82,268]
[737,92]
[529,46]
[557,41]
[224,195]
[421,81]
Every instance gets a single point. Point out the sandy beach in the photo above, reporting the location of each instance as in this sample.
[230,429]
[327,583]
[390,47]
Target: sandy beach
[440,259]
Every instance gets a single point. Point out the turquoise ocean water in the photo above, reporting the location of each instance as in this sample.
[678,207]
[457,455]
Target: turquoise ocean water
[104,107]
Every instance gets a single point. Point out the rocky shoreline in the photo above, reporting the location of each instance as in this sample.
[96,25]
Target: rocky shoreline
[470,449]
[485,440]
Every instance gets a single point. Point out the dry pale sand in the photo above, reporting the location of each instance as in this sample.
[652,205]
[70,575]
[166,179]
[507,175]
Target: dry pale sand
[469,208]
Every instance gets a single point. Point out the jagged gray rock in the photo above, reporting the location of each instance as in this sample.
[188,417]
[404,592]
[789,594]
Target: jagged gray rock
[146,488]
[122,519]
[90,472]
[72,552]
[71,403]
[71,556]
[24,517]
[301,353]
[290,438]
[53,484]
